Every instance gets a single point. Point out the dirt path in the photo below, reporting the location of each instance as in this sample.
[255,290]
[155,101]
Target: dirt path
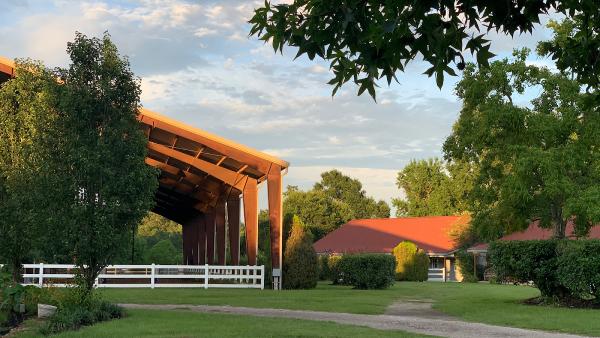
[444,327]
[422,308]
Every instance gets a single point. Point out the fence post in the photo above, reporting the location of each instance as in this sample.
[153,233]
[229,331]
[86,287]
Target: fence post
[41,277]
[444,271]
[206,276]
[262,277]
[152,281]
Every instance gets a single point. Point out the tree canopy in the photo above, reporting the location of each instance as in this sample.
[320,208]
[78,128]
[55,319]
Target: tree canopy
[433,188]
[538,158]
[154,224]
[27,116]
[365,41]
[333,201]
[340,187]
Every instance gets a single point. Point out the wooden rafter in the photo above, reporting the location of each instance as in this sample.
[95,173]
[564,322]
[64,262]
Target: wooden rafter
[243,154]
[224,175]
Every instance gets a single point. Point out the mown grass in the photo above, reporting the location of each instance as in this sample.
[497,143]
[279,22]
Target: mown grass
[157,323]
[485,303]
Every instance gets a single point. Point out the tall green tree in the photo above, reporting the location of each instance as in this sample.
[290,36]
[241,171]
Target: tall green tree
[107,188]
[27,120]
[433,188]
[538,158]
[320,213]
[365,41]
[331,202]
[348,190]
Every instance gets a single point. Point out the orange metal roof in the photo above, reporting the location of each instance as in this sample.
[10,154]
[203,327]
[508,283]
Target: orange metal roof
[431,233]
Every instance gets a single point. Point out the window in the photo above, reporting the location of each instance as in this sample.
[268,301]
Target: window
[436,262]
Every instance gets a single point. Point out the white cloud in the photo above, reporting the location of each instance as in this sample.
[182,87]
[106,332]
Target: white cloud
[334,140]
[317,69]
[203,31]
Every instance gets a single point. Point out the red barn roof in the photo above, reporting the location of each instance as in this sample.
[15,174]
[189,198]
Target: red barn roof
[431,234]
[534,232]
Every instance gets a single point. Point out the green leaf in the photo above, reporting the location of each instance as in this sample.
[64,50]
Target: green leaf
[439,79]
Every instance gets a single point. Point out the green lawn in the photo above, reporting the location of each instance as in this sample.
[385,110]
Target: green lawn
[493,304]
[155,323]
[324,298]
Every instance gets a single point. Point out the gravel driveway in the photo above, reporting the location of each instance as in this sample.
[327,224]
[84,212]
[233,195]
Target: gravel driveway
[443,327]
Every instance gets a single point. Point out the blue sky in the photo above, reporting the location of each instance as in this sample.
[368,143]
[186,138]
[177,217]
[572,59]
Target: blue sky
[198,65]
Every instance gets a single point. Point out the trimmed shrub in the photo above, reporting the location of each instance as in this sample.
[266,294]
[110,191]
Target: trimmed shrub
[412,263]
[300,266]
[368,271]
[524,261]
[579,268]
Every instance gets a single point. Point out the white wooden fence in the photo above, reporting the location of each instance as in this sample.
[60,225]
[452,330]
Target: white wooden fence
[152,276]
[436,275]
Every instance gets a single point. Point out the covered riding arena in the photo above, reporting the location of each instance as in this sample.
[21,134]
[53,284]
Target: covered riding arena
[206,184]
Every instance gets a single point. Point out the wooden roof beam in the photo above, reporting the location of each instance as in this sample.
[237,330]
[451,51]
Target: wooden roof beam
[238,152]
[224,175]
[191,177]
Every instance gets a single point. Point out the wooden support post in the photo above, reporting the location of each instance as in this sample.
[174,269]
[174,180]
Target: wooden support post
[187,244]
[220,226]
[233,223]
[274,185]
[210,237]
[250,194]
[193,234]
[202,239]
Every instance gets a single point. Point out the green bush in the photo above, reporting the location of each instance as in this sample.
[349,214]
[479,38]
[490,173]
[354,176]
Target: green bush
[163,252]
[300,265]
[524,261]
[464,260]
[412,263]
[74,316]
[324,273]
[368,271]
[579,268]
[333,265]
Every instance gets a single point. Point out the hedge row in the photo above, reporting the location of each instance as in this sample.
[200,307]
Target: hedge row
[363,271]
[559,268]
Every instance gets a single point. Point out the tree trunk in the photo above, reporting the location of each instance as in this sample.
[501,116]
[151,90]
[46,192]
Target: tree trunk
[559,224]
[16,271]
[90,275]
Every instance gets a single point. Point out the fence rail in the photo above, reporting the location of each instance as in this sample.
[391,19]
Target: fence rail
[152,276]
[436,275]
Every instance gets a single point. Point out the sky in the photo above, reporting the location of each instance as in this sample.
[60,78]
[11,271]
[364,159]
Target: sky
[198,65]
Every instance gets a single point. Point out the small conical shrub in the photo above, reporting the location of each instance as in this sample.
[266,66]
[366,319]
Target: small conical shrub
[412,263]
[300,265]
